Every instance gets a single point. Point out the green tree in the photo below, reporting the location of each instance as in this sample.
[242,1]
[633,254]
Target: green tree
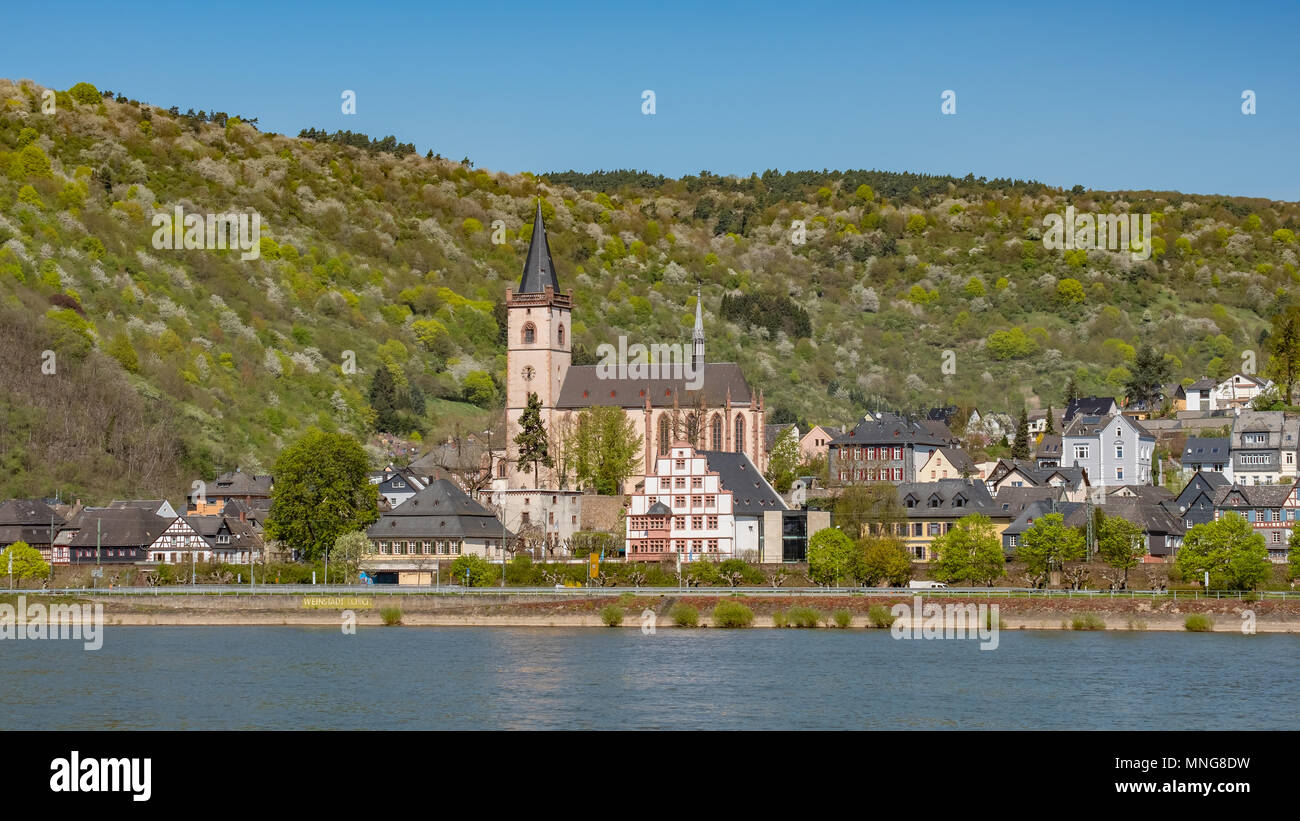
[121,350]
[1071,391]
[1069,292]
[881,559]
[347,553]
[1120,543]
[1051,421]
[830,556]
[1283,347]
[322,490]
[1293,554]
[480,389]
[1230,550]
[605,448]
[1049,544]
[1020,447]
[27,562]
[384,401]
[532,440]
[872,507]
[1147,377]
[970,552]
[84,93]
[783,461]
[474,571]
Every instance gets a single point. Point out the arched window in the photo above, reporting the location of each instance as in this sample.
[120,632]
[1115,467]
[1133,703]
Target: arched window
[530,334]
[665,435]
[740,433]
[501,469]
[561,336]
[693,430]
[716,443]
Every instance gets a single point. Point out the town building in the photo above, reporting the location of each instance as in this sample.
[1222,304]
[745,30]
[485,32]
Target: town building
[684,511]
[815,444]
[1257,448]
[1072,481]
[948,463]
[396,485]
[209,498]
[437,524]
[888,448]
[1208,455]
[1196,502]
[1271,511]
[1113,450]
[933,508]
[31,521]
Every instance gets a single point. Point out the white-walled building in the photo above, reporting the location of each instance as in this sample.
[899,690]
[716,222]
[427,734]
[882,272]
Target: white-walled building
[682,509]
[1113,450]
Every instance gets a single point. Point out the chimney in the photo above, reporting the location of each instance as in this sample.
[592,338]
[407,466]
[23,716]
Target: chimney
[243,517]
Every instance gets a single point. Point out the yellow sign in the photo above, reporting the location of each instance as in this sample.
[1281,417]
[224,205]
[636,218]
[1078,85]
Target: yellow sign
[336,602]
[594,572]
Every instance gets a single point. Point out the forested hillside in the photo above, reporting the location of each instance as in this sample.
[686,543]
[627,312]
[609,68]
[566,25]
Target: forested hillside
[172,363]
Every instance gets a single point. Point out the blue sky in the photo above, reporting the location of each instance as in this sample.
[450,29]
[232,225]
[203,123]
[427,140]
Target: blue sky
[1124,95]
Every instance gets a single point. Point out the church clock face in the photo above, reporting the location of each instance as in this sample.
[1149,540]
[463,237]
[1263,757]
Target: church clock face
[528,373]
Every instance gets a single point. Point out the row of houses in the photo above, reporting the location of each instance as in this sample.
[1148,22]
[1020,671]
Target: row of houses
[1259,450]
[129,532]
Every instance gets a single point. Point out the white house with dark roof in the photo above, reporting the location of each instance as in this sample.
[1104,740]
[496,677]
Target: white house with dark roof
[1113,450]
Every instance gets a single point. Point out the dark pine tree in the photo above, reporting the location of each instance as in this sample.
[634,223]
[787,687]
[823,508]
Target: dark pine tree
[1051,426]
[384,401]
[532,438]
[1020,447]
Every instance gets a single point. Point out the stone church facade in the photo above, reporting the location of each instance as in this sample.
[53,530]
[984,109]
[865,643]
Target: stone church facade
[719,412]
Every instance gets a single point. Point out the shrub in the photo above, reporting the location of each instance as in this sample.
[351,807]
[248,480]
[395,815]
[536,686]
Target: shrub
[843,618]
[780,619]
[732,614]
[1199,623]
[683,615]
[626,598]
[1088,621]
[801,616]
[390,615]
[881,616]
[1137,624]
[612,615]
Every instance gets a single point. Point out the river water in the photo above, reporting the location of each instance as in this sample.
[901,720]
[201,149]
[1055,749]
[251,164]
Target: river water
[499,678]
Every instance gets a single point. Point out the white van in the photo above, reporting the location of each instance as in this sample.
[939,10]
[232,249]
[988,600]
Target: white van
[915,585]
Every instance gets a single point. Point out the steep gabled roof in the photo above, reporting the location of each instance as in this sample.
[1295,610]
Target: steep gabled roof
[1091,406]
[128,527]
[539,269]
[750,492]
[440,510]
[890,429]
[584,387]
[28,512]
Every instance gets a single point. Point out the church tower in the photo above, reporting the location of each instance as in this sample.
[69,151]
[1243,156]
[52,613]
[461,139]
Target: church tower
[539,344]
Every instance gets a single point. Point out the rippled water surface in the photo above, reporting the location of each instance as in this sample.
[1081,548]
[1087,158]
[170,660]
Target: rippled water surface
[495,678]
